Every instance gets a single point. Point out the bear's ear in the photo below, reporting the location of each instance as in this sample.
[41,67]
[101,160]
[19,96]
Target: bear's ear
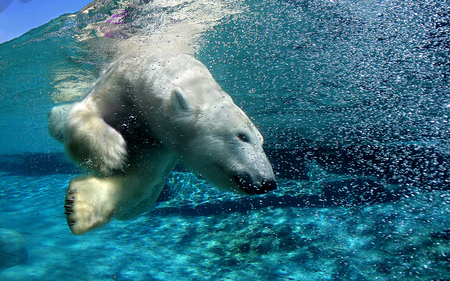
[178,100]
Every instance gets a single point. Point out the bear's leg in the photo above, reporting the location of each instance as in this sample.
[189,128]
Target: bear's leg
[92,201]
[145,181]
[92,143]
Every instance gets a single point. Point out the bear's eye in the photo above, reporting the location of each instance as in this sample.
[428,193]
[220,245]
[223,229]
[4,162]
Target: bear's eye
[243,137]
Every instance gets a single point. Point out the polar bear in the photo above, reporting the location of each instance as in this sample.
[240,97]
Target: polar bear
[147,111]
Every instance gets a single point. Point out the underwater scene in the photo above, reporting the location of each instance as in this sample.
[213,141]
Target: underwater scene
[352,98]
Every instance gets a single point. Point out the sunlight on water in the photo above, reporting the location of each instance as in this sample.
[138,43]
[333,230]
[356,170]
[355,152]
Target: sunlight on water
[352,98]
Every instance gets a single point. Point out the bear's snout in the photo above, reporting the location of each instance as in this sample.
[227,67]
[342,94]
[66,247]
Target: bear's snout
[250,186]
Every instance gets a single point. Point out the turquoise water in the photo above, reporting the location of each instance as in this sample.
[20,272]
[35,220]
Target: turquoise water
[352,98]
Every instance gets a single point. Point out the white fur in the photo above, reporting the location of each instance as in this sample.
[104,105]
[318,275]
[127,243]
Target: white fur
[148,109]
[92,143]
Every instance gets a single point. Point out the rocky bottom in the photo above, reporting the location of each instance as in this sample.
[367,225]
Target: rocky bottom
[198,233]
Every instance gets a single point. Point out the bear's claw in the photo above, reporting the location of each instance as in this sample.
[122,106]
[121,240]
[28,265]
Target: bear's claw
[68,206]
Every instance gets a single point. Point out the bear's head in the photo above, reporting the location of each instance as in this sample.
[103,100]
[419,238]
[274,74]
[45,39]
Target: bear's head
[216,139]
[191,114]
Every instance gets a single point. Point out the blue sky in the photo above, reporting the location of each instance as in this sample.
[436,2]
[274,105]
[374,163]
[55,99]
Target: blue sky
[19,16]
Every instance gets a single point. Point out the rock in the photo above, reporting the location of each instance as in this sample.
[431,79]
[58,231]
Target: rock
[12,248]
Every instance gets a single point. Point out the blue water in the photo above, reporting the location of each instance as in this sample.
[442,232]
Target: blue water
[352,98]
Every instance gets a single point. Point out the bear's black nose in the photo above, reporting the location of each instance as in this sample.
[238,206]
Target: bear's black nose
[247,184]
[269,185]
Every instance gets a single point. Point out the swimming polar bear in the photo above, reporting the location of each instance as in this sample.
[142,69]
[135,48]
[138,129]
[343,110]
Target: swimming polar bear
[147,111]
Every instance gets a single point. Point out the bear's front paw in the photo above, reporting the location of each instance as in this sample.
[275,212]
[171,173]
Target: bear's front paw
[112,154]
[90,203]
[96,146]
